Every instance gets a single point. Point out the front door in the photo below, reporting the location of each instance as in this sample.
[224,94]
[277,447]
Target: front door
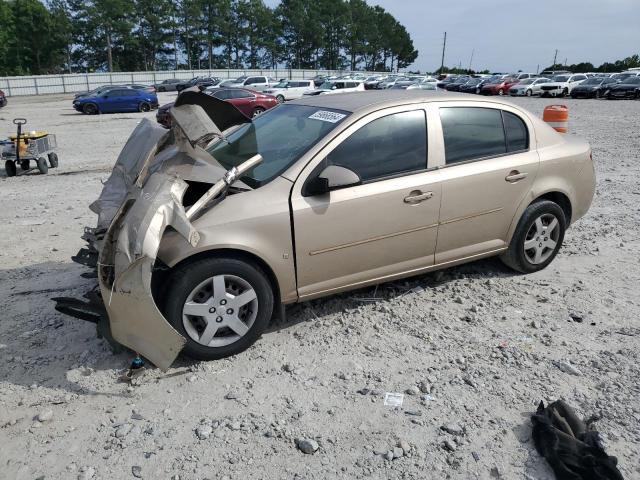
[385,226]
[487,171]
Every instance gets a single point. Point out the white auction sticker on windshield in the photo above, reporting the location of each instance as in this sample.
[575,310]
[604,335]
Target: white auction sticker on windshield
[326,116]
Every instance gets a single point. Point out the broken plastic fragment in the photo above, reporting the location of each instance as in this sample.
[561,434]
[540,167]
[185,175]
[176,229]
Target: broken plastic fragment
[393,399]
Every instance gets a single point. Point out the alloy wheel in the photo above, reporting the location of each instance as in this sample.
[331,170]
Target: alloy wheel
[220,310]
[541,239]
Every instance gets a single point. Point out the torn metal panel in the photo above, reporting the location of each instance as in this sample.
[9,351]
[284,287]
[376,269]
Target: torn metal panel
[223,114]
[195,123]
[126,268]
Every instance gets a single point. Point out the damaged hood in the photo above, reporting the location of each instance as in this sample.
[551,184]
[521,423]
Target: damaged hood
[197,119]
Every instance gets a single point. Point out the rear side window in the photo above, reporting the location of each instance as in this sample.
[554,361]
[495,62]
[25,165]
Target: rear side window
[516,132]
[385,147]
[472,132]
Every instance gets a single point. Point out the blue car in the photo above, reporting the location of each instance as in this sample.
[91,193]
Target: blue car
[117,100]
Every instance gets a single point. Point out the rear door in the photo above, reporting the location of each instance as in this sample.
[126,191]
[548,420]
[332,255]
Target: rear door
[485,172]
[371,232]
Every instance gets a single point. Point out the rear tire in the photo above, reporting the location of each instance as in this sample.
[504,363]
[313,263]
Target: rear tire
[90,109]
[501,92]
[529,93]
[10,168]
[144,107]
[53,160]
[258,111]
[537,239]
[42,165]
[195,283]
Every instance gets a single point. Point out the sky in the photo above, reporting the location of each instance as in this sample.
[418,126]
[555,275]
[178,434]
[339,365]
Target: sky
[512,35]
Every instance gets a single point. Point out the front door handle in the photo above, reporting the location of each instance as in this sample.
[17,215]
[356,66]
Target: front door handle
[514,176]
[417,196]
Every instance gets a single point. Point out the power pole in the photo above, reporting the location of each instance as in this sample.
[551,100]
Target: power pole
[555,57]
[444,46]
[471,60]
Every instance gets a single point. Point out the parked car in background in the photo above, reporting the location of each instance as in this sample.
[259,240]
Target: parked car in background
[387,82]
[96,91]
[470,85]
[446,81]
[117,100]
[528,87]
[371,83]
[169,85]
[249,102]
[290,89]
[337,86]
[594,87]
[426,84]
[455,86]
[201,82]
[524,76]
[482,81]
[3,99]
[512,188]
[499,86]
[627,88]
[561,85]
[258,82]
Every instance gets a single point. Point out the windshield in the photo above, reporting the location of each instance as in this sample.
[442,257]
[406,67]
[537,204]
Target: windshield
[560,78]
[281,136]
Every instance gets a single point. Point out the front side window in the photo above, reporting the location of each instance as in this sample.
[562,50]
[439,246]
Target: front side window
[281,136]
[385,147]
[472,132]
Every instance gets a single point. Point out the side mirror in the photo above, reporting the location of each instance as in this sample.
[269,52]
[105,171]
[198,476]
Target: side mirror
[331,178]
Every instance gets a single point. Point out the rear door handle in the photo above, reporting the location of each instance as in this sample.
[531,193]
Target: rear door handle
[417,196]
[514,176]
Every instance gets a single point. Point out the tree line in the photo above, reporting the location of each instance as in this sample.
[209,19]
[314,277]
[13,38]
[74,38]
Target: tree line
[66,36]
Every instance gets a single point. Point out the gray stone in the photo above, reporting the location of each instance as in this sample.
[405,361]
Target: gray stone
[453,429]
[45,416]
[566,367]
[123,430]
[425,387]
[307,445]
[87,473]
[413,390]
[404,445]
[204,431]
[449,445]
[136,471]
[388,455]
[397,452]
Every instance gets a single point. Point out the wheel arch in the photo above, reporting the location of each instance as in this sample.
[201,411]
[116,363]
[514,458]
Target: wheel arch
[163,271]
[556,195]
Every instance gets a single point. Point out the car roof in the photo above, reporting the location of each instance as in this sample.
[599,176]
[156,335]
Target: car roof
[356,101]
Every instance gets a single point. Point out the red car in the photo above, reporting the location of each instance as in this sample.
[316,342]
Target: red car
[500,88]
[3,99]
[247,101]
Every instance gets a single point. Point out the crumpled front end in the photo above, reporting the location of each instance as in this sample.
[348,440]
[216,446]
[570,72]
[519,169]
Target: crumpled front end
[140,200]
[126,262]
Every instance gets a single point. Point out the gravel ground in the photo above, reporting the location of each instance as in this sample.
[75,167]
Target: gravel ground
[473,349]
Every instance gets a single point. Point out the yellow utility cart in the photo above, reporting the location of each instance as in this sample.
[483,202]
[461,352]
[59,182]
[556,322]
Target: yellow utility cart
[23,148]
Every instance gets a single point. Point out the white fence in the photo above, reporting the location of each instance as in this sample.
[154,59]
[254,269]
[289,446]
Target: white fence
[80,82]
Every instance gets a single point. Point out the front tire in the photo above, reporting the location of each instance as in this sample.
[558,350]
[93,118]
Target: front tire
[537,239]
[529,93]
[90,109]
[53,160]
[220,305]
[280,99]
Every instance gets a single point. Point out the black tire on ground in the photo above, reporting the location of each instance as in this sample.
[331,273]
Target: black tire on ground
[24,164]
[184,279]
[529,93]
[53,160]
[515,257]
[258,111]
[42,165]
[144,107]
[280,99]
[10,168]
[90,109]
[501,92]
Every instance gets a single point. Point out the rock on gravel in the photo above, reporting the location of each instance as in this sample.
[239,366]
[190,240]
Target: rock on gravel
[307,445]
[45,416]
[204,431]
